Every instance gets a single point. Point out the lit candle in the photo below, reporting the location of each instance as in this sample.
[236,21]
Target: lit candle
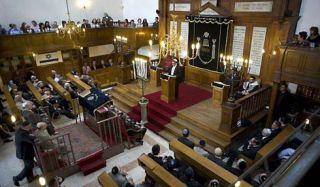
[134,69]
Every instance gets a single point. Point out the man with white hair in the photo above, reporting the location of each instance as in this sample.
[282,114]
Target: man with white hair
[218,157]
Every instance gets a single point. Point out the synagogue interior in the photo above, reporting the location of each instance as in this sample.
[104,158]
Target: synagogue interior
[159,93]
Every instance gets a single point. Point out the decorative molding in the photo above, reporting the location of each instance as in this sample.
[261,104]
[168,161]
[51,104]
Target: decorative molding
[179,7]
[213,2]
[209,12]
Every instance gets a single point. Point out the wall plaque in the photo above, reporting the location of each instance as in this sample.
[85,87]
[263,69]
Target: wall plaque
[257,44]
[239,34]
[261,6]
[184,32]
[180,7]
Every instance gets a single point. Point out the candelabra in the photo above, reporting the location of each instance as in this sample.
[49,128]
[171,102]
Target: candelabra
[70,28]
[120,43]
[140,72]
[234,71]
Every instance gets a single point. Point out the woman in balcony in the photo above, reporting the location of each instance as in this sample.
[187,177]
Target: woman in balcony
[314,36]
[47,26]
[145,23]
[302,39]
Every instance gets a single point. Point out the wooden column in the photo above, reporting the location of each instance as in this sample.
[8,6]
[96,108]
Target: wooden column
[274,93]
[230,114]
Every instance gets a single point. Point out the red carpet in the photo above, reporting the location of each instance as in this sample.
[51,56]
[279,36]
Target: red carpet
[160,112]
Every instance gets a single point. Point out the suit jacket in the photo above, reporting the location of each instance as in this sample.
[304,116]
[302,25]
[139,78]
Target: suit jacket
[186,142]
[158,159]
[177,73]
[24,144]
[32,118]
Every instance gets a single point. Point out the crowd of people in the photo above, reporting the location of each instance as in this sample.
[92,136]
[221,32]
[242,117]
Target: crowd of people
[35,27]
[302,39]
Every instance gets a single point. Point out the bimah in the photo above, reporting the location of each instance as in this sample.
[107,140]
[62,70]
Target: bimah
[220,93]
[168,88]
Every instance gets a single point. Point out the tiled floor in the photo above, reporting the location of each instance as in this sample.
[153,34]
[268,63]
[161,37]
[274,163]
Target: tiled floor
[10,165]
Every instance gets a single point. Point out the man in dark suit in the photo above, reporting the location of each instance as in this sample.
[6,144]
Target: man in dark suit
[24,150]
[175,70]
[155,154]
[184,138]
[283,102]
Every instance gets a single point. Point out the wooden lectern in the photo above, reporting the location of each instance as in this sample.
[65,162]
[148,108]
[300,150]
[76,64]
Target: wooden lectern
[155,76]
[168,88]
[220,93]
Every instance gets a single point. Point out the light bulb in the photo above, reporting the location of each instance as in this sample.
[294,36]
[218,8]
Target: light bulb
[192,46]
[263,51]
[221,55]
[198,45]
[237,184]
[84,30]
[307,121]
[42,181]
[13,119]
[274,52]
[150,42]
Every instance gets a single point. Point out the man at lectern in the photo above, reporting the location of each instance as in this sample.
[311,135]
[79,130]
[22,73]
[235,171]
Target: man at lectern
[175,70]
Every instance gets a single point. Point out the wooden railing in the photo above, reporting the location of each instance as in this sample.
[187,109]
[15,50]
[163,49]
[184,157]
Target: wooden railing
[251,107]
[255,102]
[78,82]
[56,155]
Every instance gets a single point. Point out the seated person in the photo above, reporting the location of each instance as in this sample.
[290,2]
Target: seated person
[265,136]
[258,179]
[285,154]
[302,39]
[189,178]
[275,128]
[120,177]
[251,148]
[154,154]
[34,118]
[148,182]
[172,167]
[217,157]
[94,65]
[214,183]
[73,93]
[249,86]
[86,69]
[56,109]
[314,36]
[200,149]
[239,167]
[184,138]
[285,121]
[18,99]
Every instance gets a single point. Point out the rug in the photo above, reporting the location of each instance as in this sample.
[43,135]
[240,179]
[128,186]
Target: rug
[160,112]
[84,141]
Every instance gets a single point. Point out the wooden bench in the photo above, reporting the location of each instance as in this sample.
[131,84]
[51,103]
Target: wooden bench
[105,180]
[158,173]
[61,91]
[272,145]
[35,92]
[11,104]
[204,166]
[80,84]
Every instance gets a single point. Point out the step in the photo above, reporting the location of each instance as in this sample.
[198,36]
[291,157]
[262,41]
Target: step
[93,166]
[157,120]
[157,103]
[154,128]
[152,110]
[90,158]
[123,100]
[177,133]
[208,136]
[131,91]
[126,95]
[205,127]
[127,92]
[124,108]
[167,135]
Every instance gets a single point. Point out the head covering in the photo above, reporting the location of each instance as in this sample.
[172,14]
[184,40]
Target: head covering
[189,172]
[218,152]
[185,132]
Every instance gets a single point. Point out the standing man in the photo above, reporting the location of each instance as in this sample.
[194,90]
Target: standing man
[175,70]
[24,150]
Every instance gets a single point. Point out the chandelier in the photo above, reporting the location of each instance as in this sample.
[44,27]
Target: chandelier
[70,28]
[172,44]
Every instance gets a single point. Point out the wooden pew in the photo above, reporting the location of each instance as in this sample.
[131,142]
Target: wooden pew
[105,180]
[34,92]
[158,173]
[204,166]
[78,82]
[11,104]
[61,91]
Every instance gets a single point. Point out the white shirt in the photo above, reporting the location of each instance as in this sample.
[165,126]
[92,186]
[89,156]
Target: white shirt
[173,69]
[201,151]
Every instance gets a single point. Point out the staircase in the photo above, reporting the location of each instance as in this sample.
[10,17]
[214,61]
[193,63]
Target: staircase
[91,163]
[126,98]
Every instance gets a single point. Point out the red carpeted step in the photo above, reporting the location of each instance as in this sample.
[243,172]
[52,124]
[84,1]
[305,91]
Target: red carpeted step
[158,103]
[156,120]
[134,116]
[90,158]
[159,111]
[93,166]
[154,128]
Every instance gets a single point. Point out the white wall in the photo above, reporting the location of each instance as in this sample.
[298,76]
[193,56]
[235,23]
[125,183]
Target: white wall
[310,15]
[18,11]
[134,9]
